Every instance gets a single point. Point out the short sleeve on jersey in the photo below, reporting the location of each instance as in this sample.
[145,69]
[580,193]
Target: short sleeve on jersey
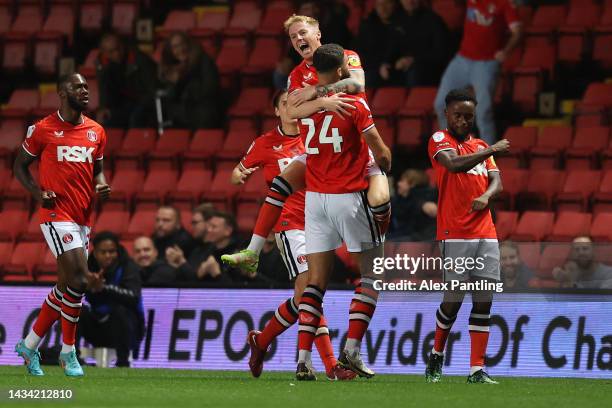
[353,61]
[363,116]
[439,142]
[510,13]
[101,146]
[252,158]
[33,143]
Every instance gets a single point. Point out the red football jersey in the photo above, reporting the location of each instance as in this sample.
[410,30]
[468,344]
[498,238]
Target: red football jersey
[337,153]
[306,73]
[67,154]
[457,191]
[485,27]
[274,151]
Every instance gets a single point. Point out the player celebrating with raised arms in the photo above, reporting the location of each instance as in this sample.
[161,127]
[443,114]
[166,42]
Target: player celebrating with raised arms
[70,147]
[304,92]
[467,178]
[336,211]
[273,151]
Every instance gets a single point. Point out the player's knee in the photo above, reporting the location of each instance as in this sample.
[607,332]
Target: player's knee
[378,192]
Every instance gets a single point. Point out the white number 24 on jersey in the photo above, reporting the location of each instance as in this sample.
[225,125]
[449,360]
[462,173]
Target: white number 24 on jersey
[335,139]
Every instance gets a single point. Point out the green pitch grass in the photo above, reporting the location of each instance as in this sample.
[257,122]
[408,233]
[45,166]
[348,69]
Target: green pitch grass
[118,388]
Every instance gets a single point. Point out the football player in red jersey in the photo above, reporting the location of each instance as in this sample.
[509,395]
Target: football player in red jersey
[272,152]
[336,211]
[467,178]
[70,148]
[304,94]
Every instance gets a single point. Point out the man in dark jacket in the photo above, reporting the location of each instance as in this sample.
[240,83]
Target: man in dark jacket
[115,318]
[127,80]
[169,232]
[418,50]
[153,271]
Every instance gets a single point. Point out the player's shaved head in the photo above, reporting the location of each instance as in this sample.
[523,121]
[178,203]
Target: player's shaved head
[328,58]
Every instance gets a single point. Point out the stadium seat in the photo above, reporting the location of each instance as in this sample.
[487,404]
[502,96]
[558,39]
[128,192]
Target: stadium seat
[5,19]
[255,188]
[236,144]
[47,50]
[212,20]
[232,56]
[505,223]
[276,13]
[264,57]
[29,20]
[192,183]
[570,225]
[550,144]
[452,12]
[245,18]
[386,130]
[251,101]
[577,189]
[123,14]
[25,255]
[597,94]
[21,103]
[533,226]
[13,133]
[514,182]
[49,101]
[547,19]
[141,223]
[553,255]
[157,184]
[170,144]
[14,223]
[600,228]
[221,190]
[46,269]
[126,183]
[522,139]
[6,251]
[541,187]
[602,199]
[114,141]
[588,142]
[137,143]
[529,253]
[16,54]
[246,214]
[60,21]
[388,101]
[113,220]
[415,117]
[92,14]
[5,177]
[602,43]
[177,20]
[204,145]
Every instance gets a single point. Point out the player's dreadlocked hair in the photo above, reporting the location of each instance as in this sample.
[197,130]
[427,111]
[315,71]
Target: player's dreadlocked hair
[328,57]
[460,95]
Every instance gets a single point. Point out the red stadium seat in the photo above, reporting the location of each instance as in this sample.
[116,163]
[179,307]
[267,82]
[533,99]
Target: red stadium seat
[5,19]
[47,50]
[60,21]
[177,20]
[245,18]
[232,56]
[246,214]
[276,13]
[526,86]
[123,15]
[570,225]
[205,144]
[505,223]
[522,139]
[598,94]
[578,188]
[21,103]
[533,226]
[14,223]
[554,255]
[601,227]
[415,117]
[419,99]
[514,182]
[192,183]
[221,190]
[386,131]
[236,144]
[251,101]
[170,144]
[255,188]
[29,20]
[602,44]
[266,52]
[547,19]
[13,133]
[49,101]
[551,142]
[530,253]
[157,184]
[602,199]
[141,223]
[25,256]
[213,20]
[126,183]
[138,141]
[16,52]
[388,101]
[588,141]
[113,220]
[452,12]
[91,16]
[6,251]
[541,187]
[114,141]
[5,177]
[46,269]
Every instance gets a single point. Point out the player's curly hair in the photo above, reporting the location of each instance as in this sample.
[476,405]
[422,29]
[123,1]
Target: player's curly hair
[328,57]
[460,95]
[299,19]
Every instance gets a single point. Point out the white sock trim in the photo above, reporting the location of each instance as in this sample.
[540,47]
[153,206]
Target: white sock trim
[438,353]
[32,340]
[474,369]
[67,348]
[257,243]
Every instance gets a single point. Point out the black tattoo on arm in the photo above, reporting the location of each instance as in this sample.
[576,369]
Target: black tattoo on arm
[347,85]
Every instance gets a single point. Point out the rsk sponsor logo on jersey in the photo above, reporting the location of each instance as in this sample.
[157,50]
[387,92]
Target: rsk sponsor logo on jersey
[92,136]
[77,154]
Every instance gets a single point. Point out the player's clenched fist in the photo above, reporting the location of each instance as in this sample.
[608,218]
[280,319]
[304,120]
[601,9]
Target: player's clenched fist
[502,146]
[103,191]
[47,199]
[480,203]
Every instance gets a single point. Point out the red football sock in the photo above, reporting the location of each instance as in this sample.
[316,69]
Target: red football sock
[382,216]
[444,324]
[71,310]
[479,338]
[310,311]
[324,345]
[362,309]
[49,312]
[286,315]
[271,210]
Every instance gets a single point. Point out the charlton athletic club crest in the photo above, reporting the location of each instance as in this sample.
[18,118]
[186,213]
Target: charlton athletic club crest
[67,238]
[92,136]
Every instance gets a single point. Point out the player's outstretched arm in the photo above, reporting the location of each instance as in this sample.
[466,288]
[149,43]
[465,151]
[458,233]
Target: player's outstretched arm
[457,164]
[334,103]
[240,174]
[382,154]
[21,169]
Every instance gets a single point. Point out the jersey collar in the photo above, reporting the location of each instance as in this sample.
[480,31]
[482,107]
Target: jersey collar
[280,132]
[59,115]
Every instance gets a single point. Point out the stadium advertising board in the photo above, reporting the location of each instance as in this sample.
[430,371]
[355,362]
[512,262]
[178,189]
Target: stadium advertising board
[531,334]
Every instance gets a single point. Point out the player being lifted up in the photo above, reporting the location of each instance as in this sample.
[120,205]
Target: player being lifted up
[304,93]
[337,211]
[70,147]
[467,177]
[273,151]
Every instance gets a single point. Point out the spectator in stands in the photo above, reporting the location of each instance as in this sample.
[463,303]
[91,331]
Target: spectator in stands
[417,50]
[480,56]
[582,270]
[115,318]
[169,232]
[375,31]
[191,84]
[332,16]
[514,273]
[414,208]
[198,221]
[153,271]
[271,264]
[127,81]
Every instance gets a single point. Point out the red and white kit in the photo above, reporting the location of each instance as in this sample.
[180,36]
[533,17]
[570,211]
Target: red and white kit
[67,154]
